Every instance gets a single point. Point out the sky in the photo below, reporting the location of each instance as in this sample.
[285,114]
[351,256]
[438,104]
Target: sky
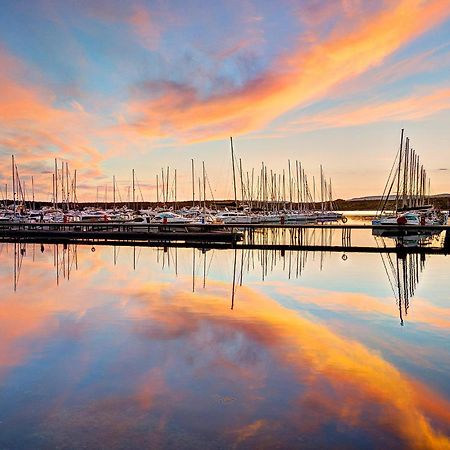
[110,86]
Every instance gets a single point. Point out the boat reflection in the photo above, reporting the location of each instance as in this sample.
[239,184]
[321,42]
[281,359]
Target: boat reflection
[402,269]
[403,272]
[133,347]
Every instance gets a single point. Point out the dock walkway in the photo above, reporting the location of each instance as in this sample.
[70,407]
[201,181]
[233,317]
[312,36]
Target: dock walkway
[208,235]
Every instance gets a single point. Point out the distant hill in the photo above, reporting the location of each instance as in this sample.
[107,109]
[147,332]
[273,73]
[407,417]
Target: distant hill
[372,202]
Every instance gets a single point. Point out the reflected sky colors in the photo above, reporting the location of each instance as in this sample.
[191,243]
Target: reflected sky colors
[137,347]
[110,85]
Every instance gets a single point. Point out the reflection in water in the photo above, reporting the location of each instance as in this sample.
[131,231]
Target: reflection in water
[138,348]
[403,273]
[402,270]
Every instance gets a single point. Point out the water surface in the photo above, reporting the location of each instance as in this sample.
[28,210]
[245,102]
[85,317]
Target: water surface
[104,347]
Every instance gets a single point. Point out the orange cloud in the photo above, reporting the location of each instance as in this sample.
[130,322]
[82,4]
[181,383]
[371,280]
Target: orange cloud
[34,129]
[295,79]
[413,107]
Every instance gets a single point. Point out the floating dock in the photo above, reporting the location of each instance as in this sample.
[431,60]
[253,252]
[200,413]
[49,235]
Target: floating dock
[116,232]
[212,235]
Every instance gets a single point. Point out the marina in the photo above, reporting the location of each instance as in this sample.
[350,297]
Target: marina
[204,233]
[224,225]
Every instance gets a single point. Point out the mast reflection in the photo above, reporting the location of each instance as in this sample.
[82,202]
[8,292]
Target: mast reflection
[403,269]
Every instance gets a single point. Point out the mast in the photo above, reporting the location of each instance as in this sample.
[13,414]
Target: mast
[53,190]
[56,183]
[62,186]
[405,173]
[204,188]
[157,190]
[314,193]
[75,198]
[290,184]
[193,182]
[242,183]
[298,184]
[321,189]
[175,189]
[167,184]
[67,186]
[162,186]
[399,170]
[114,192]
[14,183]
[234,173]
[133,192]
[32,192]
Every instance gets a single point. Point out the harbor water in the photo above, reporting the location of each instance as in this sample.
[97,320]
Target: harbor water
[134,347]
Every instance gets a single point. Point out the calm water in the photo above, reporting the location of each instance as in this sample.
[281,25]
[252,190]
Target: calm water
[142,348]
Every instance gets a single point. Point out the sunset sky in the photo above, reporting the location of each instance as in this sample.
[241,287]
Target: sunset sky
[113,85]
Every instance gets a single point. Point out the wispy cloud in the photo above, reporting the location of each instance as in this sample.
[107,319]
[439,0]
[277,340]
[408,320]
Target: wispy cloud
[412,107]
[36,130]
[294,80]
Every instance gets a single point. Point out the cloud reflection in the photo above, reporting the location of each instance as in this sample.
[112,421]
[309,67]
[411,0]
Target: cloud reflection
[151,363]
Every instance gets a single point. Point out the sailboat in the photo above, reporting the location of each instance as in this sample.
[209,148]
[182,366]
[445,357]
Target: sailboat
[408,187]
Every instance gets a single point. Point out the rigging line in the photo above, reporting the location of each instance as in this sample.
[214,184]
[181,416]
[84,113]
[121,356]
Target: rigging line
[139,188]
[381,208]
[387,272]
[210,189]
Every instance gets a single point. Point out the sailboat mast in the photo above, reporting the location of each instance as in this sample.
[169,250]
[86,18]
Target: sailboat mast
[242,183]
[204,187]
[133,191]
[175,188]
[193,182]
[32,192]
[75,197]
[298,184]
[405,173]
[234,173]
[399,170]
[56,183]
[14,183]
[290,184]
[114,192]
[157,190]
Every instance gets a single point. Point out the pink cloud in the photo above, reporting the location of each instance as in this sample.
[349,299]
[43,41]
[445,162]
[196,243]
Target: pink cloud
[296,79]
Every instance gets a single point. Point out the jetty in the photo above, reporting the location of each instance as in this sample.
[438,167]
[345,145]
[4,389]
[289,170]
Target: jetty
[248,236]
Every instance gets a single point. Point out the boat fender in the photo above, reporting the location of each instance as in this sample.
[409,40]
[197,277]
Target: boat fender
[401,220]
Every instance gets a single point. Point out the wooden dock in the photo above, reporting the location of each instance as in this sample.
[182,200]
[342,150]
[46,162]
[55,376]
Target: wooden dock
[116,232]
[217,245]
[210,235]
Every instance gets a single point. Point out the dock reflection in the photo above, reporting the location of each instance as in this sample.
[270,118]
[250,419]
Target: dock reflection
[402,269]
